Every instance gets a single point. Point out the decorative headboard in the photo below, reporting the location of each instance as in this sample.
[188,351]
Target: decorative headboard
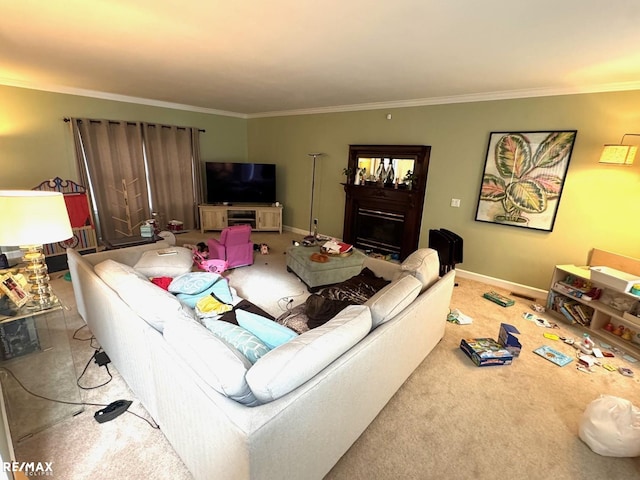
[77,201]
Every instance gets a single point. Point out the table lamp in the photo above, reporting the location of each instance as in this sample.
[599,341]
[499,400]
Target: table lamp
[29,220]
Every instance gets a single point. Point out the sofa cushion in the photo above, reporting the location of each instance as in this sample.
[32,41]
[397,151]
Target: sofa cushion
[292,364]
[271,333]
[153,263]
[423,264]
[217,363]
[112,272]
[191,287]
[150,302]
[392,299]
[243,340]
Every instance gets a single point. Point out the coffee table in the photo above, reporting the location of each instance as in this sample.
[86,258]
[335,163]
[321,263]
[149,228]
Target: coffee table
[314,274]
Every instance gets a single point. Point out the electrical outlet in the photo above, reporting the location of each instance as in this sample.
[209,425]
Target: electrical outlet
[315,221]
[455,202]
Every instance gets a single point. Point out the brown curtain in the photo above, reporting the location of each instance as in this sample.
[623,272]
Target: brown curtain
[111,161]
[173,162]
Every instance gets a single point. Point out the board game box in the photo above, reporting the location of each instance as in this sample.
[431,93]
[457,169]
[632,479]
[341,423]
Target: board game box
[499,299]
[485,352]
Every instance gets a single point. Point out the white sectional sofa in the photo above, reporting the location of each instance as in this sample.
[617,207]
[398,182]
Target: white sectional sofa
[312,397]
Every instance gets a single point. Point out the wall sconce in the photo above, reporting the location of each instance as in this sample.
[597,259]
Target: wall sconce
[619,154]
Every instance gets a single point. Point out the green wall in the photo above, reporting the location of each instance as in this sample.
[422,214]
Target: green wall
[599,205]
[36,144]
[598,208]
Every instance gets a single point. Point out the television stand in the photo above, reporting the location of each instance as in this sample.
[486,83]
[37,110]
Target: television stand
[262,218]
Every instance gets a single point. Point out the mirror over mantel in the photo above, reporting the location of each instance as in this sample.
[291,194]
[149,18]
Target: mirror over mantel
[383,208]
[388,166]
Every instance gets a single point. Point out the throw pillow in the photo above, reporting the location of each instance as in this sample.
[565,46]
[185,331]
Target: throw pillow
[247,343]
[271,333]
[392,299]
[193,282]
[191,287]
[286,368]
[155,263]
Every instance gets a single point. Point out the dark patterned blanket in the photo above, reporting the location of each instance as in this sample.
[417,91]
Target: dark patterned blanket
[320,308]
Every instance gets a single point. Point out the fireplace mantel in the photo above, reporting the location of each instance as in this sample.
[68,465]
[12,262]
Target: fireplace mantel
[386,218]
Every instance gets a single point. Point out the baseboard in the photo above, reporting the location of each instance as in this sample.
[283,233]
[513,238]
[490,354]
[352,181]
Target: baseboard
[516,289]
[287,228]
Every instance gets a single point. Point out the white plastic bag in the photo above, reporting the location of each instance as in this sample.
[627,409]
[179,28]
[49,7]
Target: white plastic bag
[611,427]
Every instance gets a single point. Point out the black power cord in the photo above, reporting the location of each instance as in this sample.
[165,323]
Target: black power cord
[153,425]
[101,358]
[90,339]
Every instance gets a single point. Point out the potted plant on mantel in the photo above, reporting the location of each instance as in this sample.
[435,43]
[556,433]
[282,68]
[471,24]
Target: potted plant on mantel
[409,179]
[359,176]
[347,171]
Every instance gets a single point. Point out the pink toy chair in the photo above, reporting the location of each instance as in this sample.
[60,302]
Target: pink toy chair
[214,266]
[235,246]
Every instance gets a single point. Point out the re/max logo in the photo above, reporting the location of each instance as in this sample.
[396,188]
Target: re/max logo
[30,468]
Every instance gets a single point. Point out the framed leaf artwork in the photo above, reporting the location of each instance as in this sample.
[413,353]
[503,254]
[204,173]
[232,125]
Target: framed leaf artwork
[524,174]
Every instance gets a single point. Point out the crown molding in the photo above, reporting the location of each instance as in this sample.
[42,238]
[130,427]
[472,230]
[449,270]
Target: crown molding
[421,102]
[117,98]
[469,98]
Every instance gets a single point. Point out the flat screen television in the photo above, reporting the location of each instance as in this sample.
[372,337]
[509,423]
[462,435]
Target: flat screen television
[229,182]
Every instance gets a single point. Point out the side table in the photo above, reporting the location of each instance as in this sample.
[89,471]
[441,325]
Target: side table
[34,346]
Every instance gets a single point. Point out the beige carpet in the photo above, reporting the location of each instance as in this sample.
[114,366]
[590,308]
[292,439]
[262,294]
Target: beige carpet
[450,420]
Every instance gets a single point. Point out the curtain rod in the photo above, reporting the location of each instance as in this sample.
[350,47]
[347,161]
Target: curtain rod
[67,120]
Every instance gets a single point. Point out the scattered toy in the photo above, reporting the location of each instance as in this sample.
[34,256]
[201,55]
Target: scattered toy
[499,299]
[627,372]
[456,316]
[538,308]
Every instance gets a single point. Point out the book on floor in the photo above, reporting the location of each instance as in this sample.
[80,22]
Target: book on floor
[552,355]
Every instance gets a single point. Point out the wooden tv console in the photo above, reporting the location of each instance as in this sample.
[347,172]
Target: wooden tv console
[262,218]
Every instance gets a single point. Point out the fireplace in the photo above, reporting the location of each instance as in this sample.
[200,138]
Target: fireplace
[385,217]
[379,230]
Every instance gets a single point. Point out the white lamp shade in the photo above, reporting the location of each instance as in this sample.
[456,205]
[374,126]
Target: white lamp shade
[33,218]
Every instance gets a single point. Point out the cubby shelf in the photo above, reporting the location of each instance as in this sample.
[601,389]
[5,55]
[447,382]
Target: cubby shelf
[601,313]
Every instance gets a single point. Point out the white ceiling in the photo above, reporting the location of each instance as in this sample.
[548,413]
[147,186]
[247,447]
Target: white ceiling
[255,57]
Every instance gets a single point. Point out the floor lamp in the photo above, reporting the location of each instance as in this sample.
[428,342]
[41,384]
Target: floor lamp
[312,236]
